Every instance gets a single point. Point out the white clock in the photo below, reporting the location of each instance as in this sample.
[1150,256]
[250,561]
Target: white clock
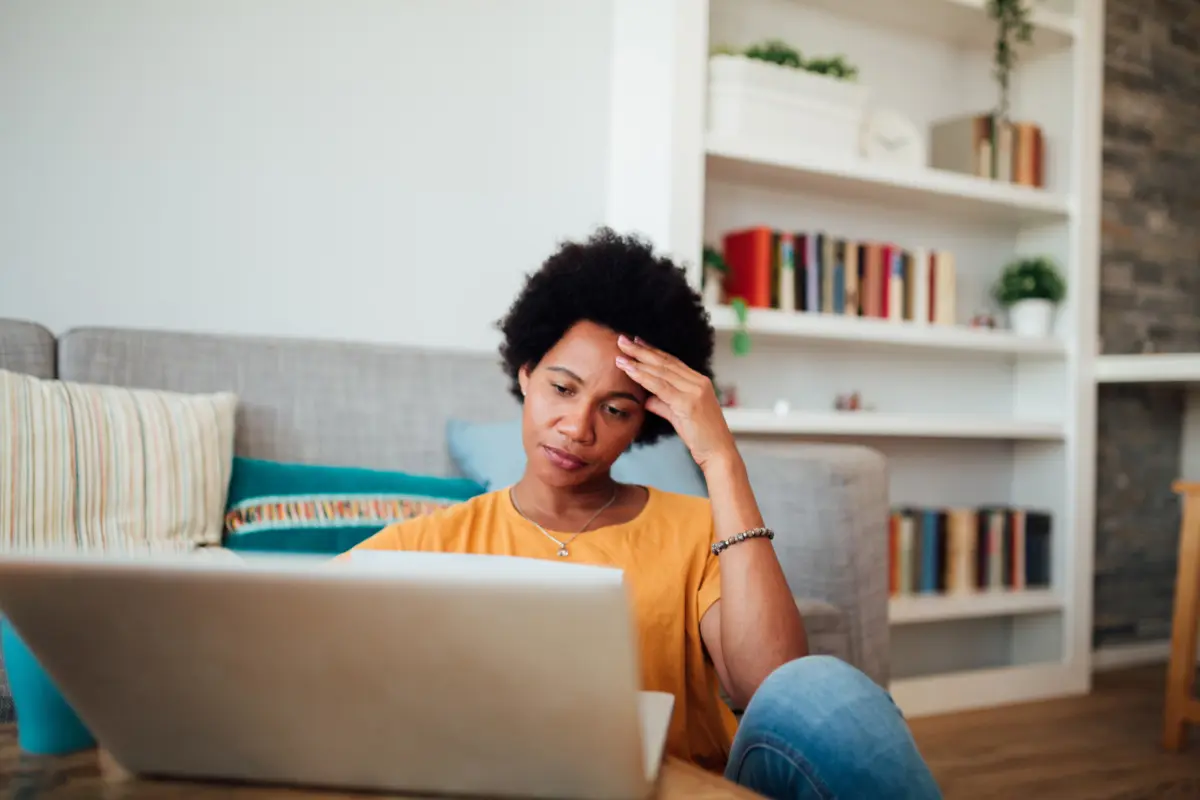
[891,138]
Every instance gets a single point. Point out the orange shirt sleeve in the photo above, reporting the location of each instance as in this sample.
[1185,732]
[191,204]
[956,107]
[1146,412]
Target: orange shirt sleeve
[397,536]
[709,590]
[710,585]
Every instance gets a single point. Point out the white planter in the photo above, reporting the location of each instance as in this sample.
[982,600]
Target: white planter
[1031,318]
[756,99]
[711,295]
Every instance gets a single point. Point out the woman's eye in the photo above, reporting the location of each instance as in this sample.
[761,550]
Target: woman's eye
[560,388]
[616,412]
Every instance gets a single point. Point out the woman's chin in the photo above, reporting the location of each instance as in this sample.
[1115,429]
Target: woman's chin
[564,479]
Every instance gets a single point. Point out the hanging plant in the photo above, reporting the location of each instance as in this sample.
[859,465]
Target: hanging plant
[1013,25]
[741,336]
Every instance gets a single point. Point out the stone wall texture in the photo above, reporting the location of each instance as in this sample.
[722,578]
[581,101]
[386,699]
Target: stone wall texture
[1149,302]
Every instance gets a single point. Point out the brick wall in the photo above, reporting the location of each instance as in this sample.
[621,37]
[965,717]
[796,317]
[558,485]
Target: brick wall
[1149,302]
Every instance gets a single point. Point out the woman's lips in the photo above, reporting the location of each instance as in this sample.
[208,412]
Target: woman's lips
[562,459]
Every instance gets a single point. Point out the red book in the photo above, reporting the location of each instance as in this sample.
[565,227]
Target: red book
[748,254]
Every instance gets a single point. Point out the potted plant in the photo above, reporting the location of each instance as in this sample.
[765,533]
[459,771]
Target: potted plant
[771,90]
[1031,289]
[715,270]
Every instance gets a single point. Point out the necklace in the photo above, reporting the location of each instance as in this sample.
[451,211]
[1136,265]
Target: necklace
[562,546]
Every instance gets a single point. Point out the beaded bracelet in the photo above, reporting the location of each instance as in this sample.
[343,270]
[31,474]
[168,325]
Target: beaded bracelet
[753,533]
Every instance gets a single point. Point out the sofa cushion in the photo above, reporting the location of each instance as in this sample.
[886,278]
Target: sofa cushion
[107,468]
[492,455]
[283,507]
[307,401]
[827,629]
[27,348]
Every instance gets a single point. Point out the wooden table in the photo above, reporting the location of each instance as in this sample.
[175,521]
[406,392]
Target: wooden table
[92,774]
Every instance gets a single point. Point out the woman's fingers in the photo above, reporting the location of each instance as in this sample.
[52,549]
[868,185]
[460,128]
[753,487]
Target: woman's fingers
[654,357]
[679,385]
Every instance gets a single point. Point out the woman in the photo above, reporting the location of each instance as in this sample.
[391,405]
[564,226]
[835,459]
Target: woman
[607,346]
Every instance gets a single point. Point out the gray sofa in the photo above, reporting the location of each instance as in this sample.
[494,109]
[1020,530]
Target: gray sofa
[343,403]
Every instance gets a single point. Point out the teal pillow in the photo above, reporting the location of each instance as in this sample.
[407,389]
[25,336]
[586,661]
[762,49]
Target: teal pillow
[302,508]
[492,455]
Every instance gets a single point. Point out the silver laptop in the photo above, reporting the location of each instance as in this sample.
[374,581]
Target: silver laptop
[413,672]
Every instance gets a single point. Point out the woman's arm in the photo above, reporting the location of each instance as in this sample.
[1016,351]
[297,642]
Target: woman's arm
[755,627]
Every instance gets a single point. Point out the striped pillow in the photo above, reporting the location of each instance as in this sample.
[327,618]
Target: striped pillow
[103,468]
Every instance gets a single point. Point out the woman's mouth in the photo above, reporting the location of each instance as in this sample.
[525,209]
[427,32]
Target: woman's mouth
[563,459]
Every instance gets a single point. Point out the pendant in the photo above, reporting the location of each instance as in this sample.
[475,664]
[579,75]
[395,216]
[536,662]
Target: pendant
[562,552]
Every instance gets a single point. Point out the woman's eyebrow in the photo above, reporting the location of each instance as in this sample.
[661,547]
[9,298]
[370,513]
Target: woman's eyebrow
[573,376]
[566,372]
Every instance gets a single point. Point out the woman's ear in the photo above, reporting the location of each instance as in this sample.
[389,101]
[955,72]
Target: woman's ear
[523,379]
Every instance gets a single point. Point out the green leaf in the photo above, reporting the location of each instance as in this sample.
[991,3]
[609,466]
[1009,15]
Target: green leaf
[741,336]
[775,51]
[741,342]
[740,309]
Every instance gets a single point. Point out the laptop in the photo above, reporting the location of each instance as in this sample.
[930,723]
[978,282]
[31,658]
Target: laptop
[403,672]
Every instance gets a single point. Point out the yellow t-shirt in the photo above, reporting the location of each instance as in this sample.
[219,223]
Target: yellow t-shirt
[673,579]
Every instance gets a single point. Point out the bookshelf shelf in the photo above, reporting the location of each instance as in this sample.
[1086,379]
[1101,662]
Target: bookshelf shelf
[907,610]
[1149,368]
[969,689]
[963,23]
[777,165]
[770,323]
[873,423]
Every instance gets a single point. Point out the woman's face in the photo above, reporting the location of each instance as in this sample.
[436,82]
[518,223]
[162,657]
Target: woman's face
[581,411]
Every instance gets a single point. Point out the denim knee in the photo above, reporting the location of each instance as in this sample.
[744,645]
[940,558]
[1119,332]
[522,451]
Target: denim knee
[817,727]
[813,673]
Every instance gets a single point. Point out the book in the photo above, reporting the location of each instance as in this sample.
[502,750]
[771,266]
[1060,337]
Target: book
[959,549]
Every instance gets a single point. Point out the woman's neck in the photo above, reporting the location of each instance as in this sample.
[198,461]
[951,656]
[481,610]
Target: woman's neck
[539,500]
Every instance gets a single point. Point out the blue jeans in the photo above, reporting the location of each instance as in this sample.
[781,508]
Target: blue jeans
[819,728]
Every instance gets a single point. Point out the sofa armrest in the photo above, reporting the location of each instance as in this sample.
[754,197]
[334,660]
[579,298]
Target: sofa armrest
[828,506]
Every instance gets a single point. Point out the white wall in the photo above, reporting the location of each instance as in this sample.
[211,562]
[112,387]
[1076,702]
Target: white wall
[365,169]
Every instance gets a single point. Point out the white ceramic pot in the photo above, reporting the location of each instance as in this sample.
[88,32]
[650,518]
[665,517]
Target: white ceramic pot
[1032,317]
[711,296]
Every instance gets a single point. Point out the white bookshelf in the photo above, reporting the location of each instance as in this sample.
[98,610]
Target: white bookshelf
[965,416]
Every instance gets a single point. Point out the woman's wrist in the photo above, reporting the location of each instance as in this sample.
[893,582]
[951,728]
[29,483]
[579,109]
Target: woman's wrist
[725,465]
[733,504]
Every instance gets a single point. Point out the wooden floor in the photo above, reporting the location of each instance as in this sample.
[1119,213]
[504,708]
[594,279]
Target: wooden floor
[1105,745]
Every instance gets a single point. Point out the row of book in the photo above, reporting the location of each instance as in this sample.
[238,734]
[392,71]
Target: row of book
[956,550]
[985,147]
[816,271]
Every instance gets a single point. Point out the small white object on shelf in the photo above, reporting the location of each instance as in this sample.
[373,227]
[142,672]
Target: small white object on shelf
[892,138]
[1032,317]
[809,111]
[782,408]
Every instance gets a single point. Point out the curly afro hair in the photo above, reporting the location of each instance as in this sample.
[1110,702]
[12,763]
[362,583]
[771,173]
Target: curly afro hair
[615,281]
